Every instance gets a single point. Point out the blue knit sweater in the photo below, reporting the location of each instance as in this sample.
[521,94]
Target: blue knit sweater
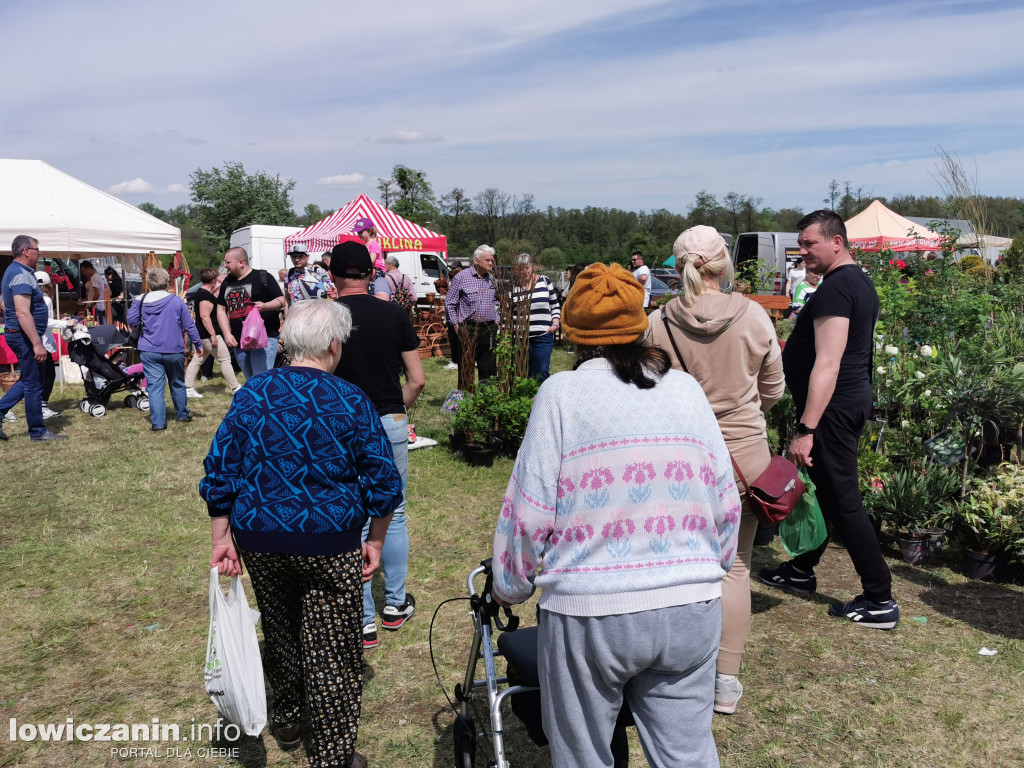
[299,462]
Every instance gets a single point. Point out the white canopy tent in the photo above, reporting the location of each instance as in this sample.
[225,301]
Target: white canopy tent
[72,219]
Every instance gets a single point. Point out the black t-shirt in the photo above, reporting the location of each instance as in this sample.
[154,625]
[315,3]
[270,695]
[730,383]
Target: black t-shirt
[237,296]
[204,295]
[372,357]
[844,292]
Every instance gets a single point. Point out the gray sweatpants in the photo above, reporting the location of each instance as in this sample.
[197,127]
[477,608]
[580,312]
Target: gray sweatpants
[662,661]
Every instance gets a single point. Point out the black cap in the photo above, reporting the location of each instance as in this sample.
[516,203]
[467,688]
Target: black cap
[351,259]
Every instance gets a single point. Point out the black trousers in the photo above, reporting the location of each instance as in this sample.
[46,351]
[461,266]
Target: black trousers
[48,375]
[482,335]
[834,472]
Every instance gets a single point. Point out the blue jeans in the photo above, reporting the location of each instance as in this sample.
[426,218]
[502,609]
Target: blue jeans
[394,558]
[29,386]
[253,361]
[160,367]
[540,355]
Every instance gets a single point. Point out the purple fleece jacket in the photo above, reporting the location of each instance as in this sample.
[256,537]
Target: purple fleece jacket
[164,318]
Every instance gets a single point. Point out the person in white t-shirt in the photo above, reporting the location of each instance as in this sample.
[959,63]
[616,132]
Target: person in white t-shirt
[796,274]
[642,274]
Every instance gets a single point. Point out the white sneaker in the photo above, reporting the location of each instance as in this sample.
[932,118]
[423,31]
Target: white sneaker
[9,416]
[205,378]
[451,367]
[728,692]
[191,392]
[49,413]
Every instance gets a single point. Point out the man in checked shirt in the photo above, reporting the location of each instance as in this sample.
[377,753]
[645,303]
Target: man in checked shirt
[473,309]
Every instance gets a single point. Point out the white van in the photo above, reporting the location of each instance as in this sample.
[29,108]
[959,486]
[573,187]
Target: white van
[777,250]
[423,268]
[265,245]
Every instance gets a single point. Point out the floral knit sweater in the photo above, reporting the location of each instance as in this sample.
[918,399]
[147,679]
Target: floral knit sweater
[624,498]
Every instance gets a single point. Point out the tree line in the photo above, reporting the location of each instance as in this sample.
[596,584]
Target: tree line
[228,198]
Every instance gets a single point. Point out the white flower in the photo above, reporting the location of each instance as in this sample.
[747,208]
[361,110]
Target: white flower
[920,374]
[904,423]
[880,369]
[949,392]
[891,350]
[888,382]
[927,393]
[926,351]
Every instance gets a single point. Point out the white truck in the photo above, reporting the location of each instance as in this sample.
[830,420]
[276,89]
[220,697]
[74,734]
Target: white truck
[777,252]
[265,245]
[423,267]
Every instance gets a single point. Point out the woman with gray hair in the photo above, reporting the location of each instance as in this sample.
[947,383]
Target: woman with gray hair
[726,342]
[535,299]
[290,500]
[165,319]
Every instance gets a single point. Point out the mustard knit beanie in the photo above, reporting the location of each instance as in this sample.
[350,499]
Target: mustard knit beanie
[605,306]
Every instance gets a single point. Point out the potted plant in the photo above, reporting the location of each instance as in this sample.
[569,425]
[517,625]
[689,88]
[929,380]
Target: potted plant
[991,518]
[911,499]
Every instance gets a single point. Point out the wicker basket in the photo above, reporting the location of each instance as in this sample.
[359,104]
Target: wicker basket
[8,378]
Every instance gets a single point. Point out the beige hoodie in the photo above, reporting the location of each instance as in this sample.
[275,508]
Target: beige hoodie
[729,345]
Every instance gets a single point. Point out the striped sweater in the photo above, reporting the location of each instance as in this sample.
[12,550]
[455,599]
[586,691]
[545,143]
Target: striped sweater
[544,308]
[624,496]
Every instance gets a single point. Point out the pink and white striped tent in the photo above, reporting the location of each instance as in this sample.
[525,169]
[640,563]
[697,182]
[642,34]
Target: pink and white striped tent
[393,232]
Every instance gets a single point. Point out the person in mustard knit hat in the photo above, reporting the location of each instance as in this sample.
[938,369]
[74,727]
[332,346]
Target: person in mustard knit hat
[623,495]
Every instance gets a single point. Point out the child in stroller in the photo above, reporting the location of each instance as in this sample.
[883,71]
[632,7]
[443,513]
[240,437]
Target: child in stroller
[103,372]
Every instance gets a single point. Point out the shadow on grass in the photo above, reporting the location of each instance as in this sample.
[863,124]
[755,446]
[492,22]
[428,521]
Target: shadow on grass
[519,749]
[987,607]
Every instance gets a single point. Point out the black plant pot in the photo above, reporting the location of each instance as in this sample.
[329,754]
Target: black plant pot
[764,535]
[457,443]
[914,551]
[478,456]
[981,565]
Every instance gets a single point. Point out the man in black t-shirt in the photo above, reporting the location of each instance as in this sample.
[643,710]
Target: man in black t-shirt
[243,289]
[827,362]
[381,346]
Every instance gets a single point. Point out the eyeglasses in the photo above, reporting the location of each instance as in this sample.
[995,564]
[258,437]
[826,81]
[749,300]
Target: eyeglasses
[32,249]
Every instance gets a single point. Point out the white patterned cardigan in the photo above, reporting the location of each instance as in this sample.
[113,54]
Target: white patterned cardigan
[621,499]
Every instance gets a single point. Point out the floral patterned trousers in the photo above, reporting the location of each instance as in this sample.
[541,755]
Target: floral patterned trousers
[312,609]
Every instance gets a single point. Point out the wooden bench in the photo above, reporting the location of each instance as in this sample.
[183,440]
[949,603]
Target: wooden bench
[775,306]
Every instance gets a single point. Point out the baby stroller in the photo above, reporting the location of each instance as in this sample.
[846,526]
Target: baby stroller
[522,682]
[103,374]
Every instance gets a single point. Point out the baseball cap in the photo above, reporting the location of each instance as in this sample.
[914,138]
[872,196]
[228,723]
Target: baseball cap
[298,249]
[351,259]
[701,244]
[364,223]
[42,278]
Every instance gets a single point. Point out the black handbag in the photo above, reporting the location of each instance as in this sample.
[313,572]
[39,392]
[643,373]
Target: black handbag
[136,334]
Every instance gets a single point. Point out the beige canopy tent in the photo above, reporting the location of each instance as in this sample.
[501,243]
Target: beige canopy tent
[877,228]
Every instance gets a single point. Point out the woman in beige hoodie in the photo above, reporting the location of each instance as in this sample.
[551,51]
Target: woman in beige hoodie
[727,342]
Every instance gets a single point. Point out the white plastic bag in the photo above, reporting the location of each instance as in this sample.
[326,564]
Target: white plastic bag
[234,669]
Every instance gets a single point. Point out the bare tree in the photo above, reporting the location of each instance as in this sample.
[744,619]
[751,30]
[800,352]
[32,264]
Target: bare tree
[387,190]
[832,196]
[963,199]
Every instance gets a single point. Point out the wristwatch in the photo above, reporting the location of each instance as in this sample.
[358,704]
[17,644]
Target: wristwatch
[803,429]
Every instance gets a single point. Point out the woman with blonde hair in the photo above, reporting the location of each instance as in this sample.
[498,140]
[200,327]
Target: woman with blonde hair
[727,342]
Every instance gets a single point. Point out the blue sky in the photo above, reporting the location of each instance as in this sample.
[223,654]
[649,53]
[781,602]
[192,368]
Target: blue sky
[602,102]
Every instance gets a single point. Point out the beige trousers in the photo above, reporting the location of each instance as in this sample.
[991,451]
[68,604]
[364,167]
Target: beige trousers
[753,458]
[223,359]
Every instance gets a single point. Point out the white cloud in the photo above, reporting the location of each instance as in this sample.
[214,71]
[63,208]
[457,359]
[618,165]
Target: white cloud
[136,186]
[177,189]
[408,137]
[342,180]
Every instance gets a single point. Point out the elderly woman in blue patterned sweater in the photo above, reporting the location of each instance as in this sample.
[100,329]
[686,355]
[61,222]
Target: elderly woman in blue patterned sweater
[623,496]
[298,464]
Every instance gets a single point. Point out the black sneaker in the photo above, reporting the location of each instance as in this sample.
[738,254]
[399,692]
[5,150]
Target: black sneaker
[394,616]
[3,435]
[790,579]
[867,613]
[287,735]
[370,639]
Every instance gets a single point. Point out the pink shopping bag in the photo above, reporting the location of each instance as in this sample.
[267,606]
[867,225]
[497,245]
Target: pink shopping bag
[254,331]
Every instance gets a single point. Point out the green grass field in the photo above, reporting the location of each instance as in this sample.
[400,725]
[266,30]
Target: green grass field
[104,548]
